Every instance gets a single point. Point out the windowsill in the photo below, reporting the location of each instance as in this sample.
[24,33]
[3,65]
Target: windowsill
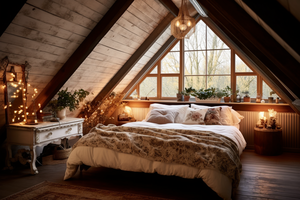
[242,106]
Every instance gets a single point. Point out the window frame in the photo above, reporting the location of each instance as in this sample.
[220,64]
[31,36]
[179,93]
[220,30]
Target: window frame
[233,74]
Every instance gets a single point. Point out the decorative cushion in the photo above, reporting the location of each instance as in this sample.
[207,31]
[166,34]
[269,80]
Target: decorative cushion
[213,116]
[226,114]
[236,117]
[195,116]
[181,109]
[162,116]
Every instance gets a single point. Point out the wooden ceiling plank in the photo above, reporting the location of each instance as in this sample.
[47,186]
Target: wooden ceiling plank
[139,53]
[170,6]
[252,38]
[279,20]
[82,52]
[8,11]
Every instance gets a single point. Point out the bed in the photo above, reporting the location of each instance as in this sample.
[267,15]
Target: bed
[185,147]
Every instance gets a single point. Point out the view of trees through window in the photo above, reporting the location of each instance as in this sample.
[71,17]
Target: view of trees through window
[206,62]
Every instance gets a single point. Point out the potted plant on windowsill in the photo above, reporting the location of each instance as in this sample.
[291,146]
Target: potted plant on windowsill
[270,98]
[227,92]
[246,97]
[66,100]
[187,92]
[208,95]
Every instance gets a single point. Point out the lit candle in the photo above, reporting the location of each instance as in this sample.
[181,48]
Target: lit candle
[41,111]
[261,115]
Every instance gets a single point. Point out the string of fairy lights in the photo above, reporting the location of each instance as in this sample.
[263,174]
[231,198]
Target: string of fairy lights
[21,113]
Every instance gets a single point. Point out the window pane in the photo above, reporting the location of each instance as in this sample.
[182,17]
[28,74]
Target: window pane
[170,86]
[240,66]
[148,88]
[196,82]
[154,71]
[197,40]
[195,63]
[176,47]
[267,90]
[247,83]
[170,63]
[218,62]
[218,81]
[213,41]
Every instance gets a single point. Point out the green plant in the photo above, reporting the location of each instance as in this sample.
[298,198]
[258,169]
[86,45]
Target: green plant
[246,93]
[67,99]
[188,91]
[226,91]
[207,93]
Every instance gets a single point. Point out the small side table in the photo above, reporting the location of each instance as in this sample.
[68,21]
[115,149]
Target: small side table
[268,141]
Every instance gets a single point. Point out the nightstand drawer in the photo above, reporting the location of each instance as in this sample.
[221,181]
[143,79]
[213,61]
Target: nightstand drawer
[45,135]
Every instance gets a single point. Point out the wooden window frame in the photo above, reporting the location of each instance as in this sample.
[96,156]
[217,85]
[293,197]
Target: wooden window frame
[233,74]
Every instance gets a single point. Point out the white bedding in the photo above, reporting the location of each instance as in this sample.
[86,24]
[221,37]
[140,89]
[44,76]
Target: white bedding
[218,182]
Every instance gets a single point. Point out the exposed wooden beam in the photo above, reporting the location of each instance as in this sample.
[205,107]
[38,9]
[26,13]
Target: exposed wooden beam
[169,5]
[150,64]
[255,42]
[279,20]
[86,47]
[8,11]
[109,87]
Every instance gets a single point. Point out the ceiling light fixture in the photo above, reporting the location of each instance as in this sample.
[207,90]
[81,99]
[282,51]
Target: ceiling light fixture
[183,26]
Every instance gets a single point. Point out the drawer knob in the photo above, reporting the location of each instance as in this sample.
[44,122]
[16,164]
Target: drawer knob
[68,131]
[49,134]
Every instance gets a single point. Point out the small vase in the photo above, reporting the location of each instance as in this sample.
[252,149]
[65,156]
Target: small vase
[61,114]
[179,97]
[186,98]
[247,99]
[226,99]
[270,99]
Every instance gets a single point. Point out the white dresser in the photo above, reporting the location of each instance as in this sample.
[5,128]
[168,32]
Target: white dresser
[39,135]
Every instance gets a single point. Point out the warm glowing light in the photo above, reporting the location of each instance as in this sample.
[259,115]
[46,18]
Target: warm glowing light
[189,23]
[24,120]
[33,113]
[177,24]
[35,121]
[24,89]
[41,111]
[261,115]
[18,118]
[27,113]
[28,84]
[5,106]
[22,115]
[13,120]
[39,105]
[15,111]
[183,27]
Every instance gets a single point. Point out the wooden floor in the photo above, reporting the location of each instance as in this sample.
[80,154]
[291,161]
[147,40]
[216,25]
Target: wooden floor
[263,177]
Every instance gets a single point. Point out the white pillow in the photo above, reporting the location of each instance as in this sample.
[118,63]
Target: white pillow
[162,116]
[181,109]
[195,116]
[226,114]
[236,117]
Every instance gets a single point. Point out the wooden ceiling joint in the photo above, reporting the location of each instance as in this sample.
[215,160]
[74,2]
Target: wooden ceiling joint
[170,6]
[255,42]
[82,52]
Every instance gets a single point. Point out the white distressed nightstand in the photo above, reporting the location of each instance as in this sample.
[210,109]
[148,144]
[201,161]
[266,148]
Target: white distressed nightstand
[40,134]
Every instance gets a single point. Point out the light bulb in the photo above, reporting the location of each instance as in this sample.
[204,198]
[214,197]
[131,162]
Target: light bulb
[183,27]
[177,24]
[189,23]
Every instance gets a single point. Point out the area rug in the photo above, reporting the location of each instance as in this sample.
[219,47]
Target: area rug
[50,191]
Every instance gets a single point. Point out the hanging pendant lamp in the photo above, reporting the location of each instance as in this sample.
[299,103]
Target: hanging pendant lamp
[183,26]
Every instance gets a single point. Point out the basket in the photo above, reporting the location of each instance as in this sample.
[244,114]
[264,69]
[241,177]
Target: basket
[61,154]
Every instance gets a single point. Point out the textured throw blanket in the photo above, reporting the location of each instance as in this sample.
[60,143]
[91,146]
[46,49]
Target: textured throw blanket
[200,149]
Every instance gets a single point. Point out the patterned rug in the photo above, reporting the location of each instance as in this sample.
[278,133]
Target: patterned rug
[50,191]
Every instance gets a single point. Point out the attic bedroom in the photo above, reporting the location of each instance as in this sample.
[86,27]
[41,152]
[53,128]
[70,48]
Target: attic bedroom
[149,99]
